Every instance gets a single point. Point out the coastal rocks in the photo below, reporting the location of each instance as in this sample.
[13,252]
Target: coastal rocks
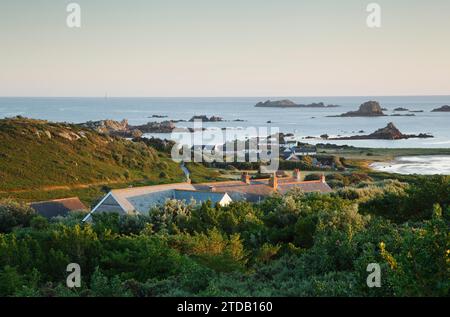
[277,104]
[107,126]
[70,136]
[442,109]
[123,129]
[403,115]
[402,109]
[158,116]
[156,127]
[367,109]
[290,104]
[111,127]
[204,118]
[390,132]
[135,133]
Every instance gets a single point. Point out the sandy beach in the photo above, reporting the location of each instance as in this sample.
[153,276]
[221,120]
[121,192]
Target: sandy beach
[422,165]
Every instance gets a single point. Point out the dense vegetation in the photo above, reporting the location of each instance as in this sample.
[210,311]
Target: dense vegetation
[292,245]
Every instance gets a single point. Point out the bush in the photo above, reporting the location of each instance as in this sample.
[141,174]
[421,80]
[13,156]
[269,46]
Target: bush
[163,175]
[313,177]
[10,281]
[39,223]
[13,215]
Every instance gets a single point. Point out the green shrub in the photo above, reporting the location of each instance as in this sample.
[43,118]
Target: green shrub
[13,215]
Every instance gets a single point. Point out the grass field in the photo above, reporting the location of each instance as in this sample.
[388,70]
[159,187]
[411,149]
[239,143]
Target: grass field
[380,154]
[202,174]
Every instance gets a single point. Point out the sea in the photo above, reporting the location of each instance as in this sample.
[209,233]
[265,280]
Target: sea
[307,124]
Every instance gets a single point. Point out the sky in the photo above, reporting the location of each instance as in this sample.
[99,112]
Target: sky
[199,48]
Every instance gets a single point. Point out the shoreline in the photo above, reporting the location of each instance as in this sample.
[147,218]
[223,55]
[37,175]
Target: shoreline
[415,164]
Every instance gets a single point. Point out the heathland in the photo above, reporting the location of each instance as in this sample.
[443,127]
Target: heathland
[40,159]
[287,245]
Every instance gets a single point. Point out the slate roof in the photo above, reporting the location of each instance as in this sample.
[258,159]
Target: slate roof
[198,196]
[258,189]
[142,199]
[307,187]
[58,207]
[122,196]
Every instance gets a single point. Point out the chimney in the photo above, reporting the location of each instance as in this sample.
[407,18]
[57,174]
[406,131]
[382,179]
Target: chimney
[297,175]
[322,178]
[273,182]
[212,189]
[245,178]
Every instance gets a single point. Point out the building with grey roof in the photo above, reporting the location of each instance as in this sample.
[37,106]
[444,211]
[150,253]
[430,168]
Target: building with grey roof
[141,200]
[58,207]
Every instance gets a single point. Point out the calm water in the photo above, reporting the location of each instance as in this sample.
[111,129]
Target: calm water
[302,122]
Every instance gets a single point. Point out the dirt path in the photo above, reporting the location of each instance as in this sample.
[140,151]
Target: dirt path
[60,187]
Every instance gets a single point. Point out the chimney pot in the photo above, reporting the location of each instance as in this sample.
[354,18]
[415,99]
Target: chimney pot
[273,182]
[245,178]
[297,174]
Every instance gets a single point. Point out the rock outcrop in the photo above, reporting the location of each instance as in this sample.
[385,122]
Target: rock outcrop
[158,116]
[204,118]
[156,127]
[107,126]
[131,134]
[125,130]
[290,104]
[277,104]
[367,109]
[403,115]
[390,132]
[442,109]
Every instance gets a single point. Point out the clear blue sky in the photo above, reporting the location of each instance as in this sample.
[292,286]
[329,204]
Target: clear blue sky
[224,48]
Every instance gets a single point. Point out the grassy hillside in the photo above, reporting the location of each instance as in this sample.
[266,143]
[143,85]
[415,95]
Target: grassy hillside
[203,174]
[41,156]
